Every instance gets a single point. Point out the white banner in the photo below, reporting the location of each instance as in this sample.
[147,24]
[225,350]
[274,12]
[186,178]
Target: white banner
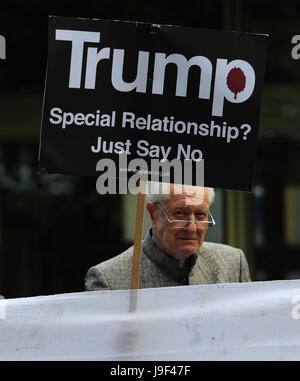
[248,321]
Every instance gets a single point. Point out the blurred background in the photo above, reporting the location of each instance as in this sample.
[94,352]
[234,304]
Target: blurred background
[53,227]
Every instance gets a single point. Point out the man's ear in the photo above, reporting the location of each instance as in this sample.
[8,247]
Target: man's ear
[152,211]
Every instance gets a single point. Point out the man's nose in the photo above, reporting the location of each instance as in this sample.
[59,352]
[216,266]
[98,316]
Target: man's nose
[191,226]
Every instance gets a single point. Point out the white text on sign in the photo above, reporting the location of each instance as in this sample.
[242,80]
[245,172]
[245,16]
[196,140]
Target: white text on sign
[234,80]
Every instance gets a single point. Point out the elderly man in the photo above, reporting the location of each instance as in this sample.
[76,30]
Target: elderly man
[174,252]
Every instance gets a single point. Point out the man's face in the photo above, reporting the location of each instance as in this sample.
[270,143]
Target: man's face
[180,242]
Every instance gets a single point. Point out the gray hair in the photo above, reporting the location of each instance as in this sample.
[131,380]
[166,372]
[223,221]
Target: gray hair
[158,192]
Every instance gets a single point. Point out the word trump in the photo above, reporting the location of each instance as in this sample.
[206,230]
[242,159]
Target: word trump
[234,81]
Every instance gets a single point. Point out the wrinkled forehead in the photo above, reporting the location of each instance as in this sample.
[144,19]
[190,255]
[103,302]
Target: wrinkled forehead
[187,195]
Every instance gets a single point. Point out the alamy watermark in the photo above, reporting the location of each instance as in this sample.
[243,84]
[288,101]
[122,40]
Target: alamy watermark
[126,175]
[295,52]
[2,307]
[2,48]
[295,312]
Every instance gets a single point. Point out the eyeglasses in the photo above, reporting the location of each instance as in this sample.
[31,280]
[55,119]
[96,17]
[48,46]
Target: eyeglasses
[205,223]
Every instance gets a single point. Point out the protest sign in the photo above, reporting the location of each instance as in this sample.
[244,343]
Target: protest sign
[151,94]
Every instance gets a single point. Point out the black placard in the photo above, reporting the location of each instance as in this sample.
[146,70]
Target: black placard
[153,92]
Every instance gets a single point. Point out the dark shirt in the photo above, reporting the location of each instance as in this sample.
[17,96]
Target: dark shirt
[176,269]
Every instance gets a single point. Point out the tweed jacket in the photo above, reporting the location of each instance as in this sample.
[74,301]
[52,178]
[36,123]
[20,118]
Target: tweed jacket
[212,263]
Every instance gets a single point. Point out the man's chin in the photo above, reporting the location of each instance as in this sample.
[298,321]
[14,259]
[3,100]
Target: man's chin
[188,245]
[185,252]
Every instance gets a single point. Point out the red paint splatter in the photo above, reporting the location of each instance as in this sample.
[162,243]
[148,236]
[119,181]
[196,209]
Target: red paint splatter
[236,80]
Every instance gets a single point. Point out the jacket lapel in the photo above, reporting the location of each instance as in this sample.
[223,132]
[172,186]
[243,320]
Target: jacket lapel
[203,271]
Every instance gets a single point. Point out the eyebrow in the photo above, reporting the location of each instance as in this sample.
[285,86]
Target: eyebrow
[186,206]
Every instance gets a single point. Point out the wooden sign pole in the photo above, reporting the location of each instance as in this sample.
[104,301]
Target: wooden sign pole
[138,234]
